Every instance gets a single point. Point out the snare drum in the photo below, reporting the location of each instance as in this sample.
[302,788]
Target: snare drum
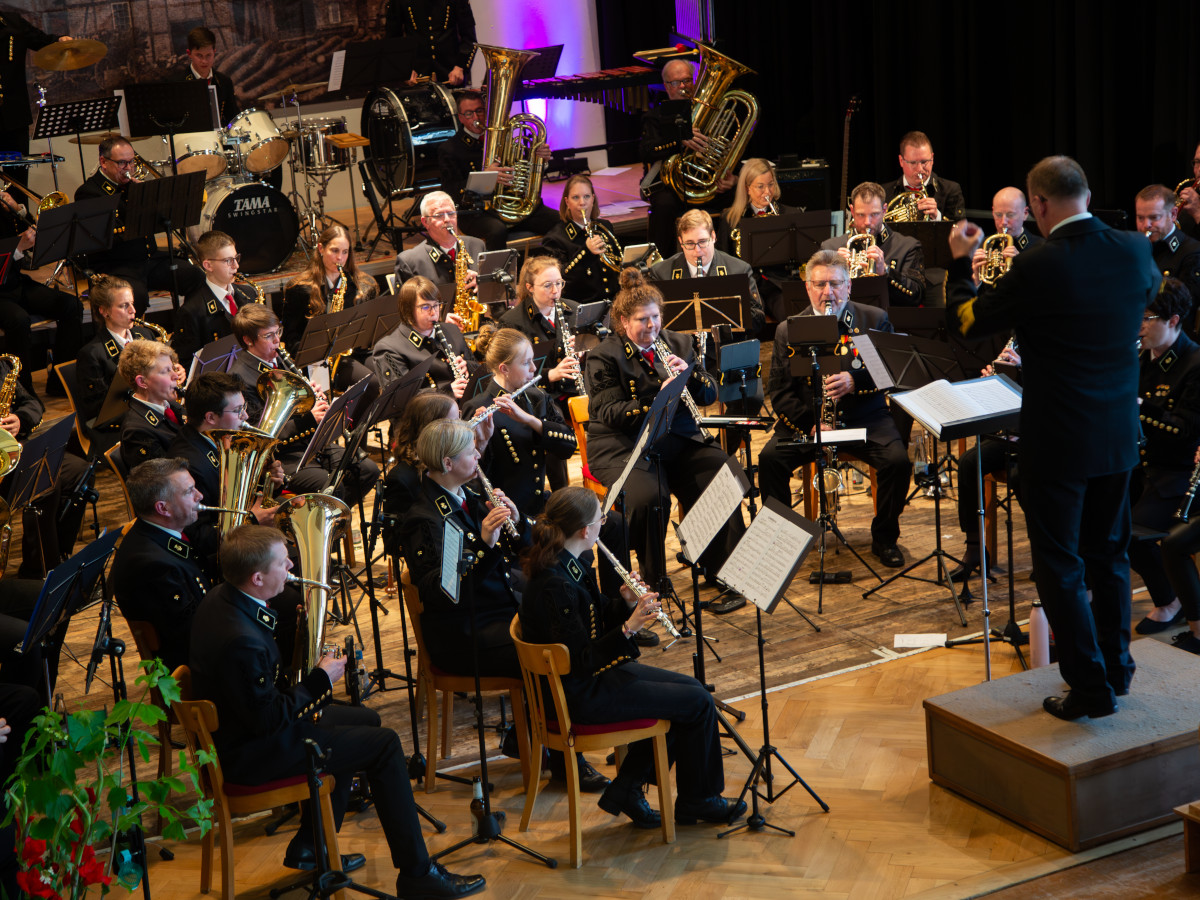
[314,152]
[265,149]
[200,151]
[259,218]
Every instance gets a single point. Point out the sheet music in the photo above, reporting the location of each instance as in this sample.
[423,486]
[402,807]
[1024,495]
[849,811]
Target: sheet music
[710,513]
[452,545]
[871,359]
[939,403]
[634,455]
[335,71]
[844,436]
[763,561]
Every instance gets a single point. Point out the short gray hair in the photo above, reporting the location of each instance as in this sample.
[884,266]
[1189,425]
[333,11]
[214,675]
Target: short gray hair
[433,197]
[150,482]
[829,258]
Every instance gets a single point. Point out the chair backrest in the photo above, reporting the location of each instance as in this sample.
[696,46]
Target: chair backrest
[66,374]
[117,464]
[390,278]
[412,602]
[199,721]
[538,661]
[183,678]
[578,409]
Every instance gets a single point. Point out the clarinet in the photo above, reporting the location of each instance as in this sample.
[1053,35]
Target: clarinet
[568,345]
[1185,507]
[509,526]
[661,348]
[281,356]
[457,364]
[491,408]
[639,589]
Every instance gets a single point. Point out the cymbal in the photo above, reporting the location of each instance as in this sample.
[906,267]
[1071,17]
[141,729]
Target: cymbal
[86,139]
[61,56]
[293,89]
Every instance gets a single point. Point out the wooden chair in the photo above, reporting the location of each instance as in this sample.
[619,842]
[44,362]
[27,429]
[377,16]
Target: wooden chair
[66,374]
[145,638]
[117,464]
[199,721]
[812,508]
[578,408]
[431,679]
[553,728]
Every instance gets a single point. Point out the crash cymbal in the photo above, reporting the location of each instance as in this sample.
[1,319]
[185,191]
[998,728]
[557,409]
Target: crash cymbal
[103,136]
[293,89]
[62,56]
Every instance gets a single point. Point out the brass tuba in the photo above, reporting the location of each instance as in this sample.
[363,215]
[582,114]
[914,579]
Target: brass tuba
[903,207]
[727,118]
[242,462]
[995,263]
[858,263]
[511,140]
[314,522]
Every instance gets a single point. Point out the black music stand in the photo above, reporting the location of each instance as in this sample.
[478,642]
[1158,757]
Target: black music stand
[789,239]
[217,356]
[369,64]
[696,304]
[41,458]
[934,238]
[331,334]
[920,321]
[116,403]
[170,108]
[871,290]
[74,230]
[77,117]
[165,204]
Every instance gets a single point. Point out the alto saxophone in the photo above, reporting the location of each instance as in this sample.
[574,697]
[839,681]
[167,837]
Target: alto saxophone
[736,234]
[568,345]
[639,590]
[457,364]
[10,452]
[160,334]
[509,526]
[239,278]
[336,304]
[466,307]
[661,348]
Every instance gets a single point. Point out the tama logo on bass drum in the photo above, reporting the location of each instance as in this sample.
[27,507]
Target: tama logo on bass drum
[251,204]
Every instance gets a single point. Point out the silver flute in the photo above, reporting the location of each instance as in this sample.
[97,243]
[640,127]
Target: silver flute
[509,526]
[661,348]
[639,590]
[491,408]
[457,364]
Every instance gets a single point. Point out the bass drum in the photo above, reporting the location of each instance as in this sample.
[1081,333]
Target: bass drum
[406,127]
[260,220]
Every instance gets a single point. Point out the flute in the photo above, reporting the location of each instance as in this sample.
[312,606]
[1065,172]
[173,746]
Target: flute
[638,589]
[491,408]
[509,526]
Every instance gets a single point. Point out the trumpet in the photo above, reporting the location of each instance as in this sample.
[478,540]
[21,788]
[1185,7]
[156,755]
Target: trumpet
[640,590]
[859,264]
[509,526]
[995,263]
[661,348]
[491,408]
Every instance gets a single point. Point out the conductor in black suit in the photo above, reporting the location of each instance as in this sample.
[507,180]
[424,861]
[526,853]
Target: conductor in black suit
[236,664]
[1075,304]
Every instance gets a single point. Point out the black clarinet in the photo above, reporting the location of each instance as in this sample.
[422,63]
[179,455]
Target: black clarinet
[1185,507]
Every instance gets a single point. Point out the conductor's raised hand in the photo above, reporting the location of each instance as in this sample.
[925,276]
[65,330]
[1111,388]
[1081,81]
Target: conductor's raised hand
[965,238]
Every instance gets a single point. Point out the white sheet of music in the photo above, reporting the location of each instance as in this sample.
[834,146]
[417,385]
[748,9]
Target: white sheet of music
[452,546]
[844,436]
[870,357]
[634,455]
[710,513]
[941,403]
[337,67]
[764,559]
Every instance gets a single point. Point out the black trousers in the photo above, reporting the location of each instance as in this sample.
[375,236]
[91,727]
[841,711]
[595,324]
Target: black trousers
[497,653]
[24,297]
[1079,535]
[993,453]
[1156,494]
[494,231]
[355,742]
[358,481]
[1177,549]
[883,450]
[154,274]
[637,691]
[687,467]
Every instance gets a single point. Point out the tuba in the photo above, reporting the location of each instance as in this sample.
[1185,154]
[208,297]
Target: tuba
[995,263]
[903,207]
[858,263]
[727,118]
[314,522]
[511,140]
[242,462]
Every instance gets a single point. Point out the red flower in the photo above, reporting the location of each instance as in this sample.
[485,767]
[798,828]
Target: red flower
[35,884]
[91,870]
[33,851]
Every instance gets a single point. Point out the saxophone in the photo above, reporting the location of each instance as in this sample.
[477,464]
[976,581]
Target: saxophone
[639,590]
[10,452]
[336,304]
[160,334]
[661,348]
[458,365]
[736,234]
[239,278]
[568,345]
[466,306]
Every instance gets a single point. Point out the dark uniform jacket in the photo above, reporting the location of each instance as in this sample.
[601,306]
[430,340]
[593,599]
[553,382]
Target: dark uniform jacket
[124,251]
[1075,304]
[295,435]
[588,278]
[947,193]
[722,264]
[905,260]
[563,605]
[26,406]
[157,578]
[447,626]
[444,32]
[146,433]
[791,395]
[204,318]
[515,458]
[1169,388]
[17,36]
[1178,256]
[404,348]
[401,487]
[623,386]
[458,157]
[203,459]
[227,102]
[428,259]
[235,663]
[294,316]
[97,367]
[526,318]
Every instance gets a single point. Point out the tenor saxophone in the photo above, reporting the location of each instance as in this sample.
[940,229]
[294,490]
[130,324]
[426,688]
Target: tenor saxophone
[661,348]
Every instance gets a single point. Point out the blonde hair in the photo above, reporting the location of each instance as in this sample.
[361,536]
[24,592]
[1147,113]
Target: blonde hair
[441,439]
[500,346]
[139,357]
[751,169]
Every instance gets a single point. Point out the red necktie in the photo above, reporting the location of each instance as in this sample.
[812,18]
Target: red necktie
[451,254]
[648,355]
[171,417]
[232,304]
[183,537]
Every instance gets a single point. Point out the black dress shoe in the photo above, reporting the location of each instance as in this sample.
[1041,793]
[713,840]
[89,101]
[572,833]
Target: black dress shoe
[624,797]
[711,809]
[1069,708]
[300,856]
[1185,640]
[1151,626]
[888,554]
[437,883]
[590,781]
[725,603]
[646,638]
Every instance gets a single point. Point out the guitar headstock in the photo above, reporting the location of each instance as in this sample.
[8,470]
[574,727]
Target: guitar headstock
[852,106]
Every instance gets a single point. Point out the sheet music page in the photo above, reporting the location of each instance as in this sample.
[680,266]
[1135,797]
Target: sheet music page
[940,403]
[763,560]
[874,363]
[634,455]
[710,513]
[336,69]
[844,436]
[452,544]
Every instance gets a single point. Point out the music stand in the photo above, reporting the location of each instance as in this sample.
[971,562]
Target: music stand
[496,272]
[788,239]
[216,356]
[921,321]
[169,107]
[368,64]
[116,403]
[871,290]
[934,238]
[76,229]
[696,304]
[36,475]
[332,425]
[331,334]
[164,204]
[76,117]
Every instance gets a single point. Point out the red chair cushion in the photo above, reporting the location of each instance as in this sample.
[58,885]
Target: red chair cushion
[588,476]
[603,727]
[246,790]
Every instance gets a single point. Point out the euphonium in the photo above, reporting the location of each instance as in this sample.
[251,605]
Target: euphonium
[284,394]
[511,140]
[995,263]
[242,463]
[693,175]
[903,207]
[859,264]
[314,522]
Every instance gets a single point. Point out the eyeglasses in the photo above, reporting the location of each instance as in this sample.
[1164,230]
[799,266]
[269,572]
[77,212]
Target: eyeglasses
[122,163]
[1150,318]
[269,335]
[443,216]
[918,162]
[821,285]
[237,410]
[229,260]
[551,285]
[678,82]
[600,521]
[429,308]
[696,245]
[470,113]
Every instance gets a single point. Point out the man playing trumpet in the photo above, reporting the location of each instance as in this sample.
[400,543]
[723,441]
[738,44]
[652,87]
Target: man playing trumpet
[898,257]
[943,197]
[1175,254]
[1009,211]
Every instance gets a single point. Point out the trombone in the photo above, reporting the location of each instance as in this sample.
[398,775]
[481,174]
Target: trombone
[53,200]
